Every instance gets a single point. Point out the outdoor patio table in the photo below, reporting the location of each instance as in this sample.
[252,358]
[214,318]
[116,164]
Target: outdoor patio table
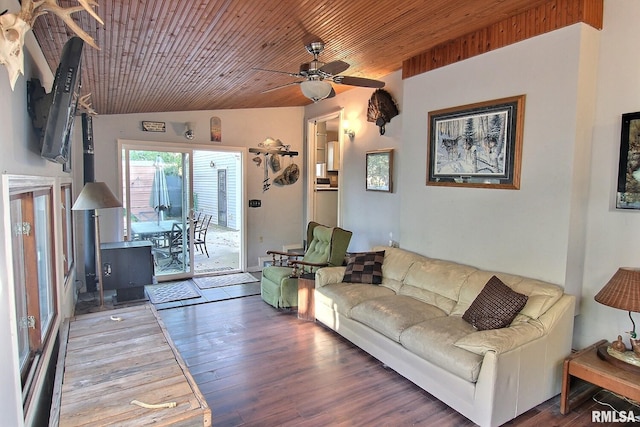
[152,230]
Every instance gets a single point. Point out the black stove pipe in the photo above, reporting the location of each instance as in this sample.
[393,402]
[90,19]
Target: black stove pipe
[91,278]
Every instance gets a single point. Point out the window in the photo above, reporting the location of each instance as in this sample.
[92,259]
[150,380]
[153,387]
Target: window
[33,268]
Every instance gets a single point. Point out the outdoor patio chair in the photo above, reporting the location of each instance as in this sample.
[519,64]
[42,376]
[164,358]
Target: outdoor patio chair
[200,234]
[327,246]
[195,215]
[174,249]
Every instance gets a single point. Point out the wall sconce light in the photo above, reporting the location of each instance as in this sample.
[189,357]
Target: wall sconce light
[188,131]
[347,130]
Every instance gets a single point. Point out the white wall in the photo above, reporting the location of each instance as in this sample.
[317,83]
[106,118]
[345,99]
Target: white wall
[277,222]
[522,231]
[612,235]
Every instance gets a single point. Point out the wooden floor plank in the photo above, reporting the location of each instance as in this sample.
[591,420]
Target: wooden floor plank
[117,365]
[112,383]
[123,320]
[118,405]
[259,366]
[121,347]
[111,336]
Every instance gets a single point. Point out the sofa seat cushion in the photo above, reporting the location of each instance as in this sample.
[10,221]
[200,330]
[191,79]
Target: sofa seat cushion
[342,297]
[434,340]
[390,315]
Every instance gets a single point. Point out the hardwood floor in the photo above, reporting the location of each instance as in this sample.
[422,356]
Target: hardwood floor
[260,367]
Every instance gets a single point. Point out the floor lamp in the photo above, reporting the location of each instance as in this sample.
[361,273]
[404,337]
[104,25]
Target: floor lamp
[94,196]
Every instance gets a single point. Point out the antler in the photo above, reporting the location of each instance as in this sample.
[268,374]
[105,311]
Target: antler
[31,10]
[85,102]
[14,26]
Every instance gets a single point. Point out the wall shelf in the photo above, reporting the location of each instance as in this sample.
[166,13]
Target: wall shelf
[273,151]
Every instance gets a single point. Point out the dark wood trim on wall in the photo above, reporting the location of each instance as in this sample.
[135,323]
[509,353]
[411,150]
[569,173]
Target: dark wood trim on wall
[538,20]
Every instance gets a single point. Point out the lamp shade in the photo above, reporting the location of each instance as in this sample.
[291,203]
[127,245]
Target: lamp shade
[622,291]
[95,195]
[315,89]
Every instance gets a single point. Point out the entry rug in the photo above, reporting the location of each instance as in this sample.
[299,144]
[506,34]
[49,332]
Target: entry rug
[173,291]
[224,280]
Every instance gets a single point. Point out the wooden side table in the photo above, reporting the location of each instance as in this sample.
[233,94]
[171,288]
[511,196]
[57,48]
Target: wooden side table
[586,365]
[306,285]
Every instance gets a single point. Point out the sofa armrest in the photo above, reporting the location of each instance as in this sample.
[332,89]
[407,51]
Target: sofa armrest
[327,275]
[500,340]
[506,339]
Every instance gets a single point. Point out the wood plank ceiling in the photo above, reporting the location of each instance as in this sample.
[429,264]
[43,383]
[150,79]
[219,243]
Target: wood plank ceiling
[170,55]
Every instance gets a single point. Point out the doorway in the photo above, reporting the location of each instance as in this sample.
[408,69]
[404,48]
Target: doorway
[188,204]
[324,148]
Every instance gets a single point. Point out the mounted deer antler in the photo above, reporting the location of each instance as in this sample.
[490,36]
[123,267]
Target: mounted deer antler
[14,27]
[84,102]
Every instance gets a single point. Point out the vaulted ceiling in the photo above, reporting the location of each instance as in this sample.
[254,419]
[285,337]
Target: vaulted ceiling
[170,55]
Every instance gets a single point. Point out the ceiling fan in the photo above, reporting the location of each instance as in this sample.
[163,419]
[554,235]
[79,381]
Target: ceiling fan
[317,76]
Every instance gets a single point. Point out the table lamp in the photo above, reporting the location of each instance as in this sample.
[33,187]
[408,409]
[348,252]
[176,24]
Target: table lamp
[622,291]
[96,195]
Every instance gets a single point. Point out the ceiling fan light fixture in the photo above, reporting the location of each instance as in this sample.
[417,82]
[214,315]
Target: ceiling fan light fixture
[315,90]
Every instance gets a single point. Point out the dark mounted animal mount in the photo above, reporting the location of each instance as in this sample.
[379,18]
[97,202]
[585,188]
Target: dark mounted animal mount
[382,108]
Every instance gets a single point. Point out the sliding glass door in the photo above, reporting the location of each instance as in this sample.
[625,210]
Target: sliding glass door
[187,205]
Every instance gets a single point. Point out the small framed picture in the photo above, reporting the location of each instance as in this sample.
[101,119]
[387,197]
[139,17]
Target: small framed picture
[149,126]
[215,125]
[379,175]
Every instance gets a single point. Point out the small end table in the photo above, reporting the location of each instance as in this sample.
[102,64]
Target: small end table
[586,365]
[306,286]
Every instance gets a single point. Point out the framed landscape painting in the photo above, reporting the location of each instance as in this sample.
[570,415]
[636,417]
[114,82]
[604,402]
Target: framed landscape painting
[379,175]
[477,145]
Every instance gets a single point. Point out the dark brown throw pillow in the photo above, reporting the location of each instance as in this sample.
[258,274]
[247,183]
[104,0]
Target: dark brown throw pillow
[364,267]
[495,306]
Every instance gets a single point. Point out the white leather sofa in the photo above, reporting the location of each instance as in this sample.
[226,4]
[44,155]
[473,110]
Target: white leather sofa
[412,322]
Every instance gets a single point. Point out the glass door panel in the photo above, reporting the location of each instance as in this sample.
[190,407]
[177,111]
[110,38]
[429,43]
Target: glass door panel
[217,203]
[157,207]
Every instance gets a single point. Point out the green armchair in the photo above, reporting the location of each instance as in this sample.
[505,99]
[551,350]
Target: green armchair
[327,247]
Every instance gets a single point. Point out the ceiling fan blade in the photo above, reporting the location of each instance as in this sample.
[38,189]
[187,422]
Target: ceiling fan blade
[332,93]
[279,72]
[358,81]
[335,67]
[280,87]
